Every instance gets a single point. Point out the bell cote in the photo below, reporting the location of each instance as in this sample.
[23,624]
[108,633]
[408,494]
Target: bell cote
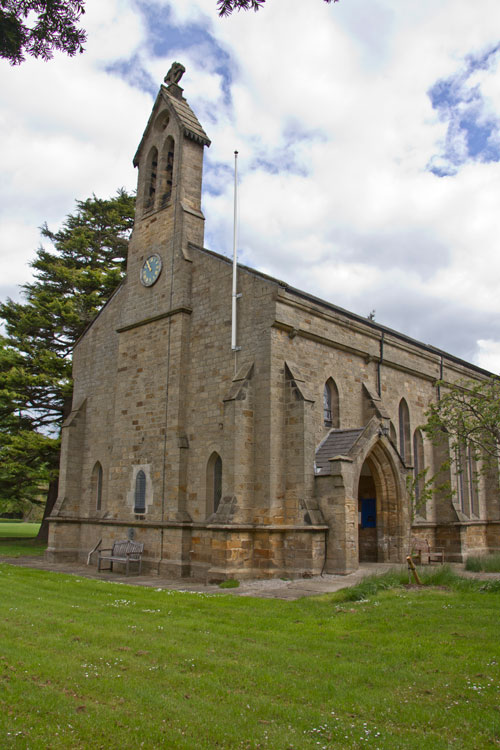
[170,154]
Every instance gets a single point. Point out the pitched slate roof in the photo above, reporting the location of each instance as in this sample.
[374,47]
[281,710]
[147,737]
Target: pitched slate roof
[192,127]
[375,326]
[336,443]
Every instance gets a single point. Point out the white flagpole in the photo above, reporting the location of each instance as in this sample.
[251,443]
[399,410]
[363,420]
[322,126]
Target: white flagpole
[234,347]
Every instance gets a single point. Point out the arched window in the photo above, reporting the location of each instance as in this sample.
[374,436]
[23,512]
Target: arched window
[214,483]
[140,493]
[151,174]
[167,177]
[473,482]
[467,480]
[331,416]
[96,484]
[461,474]
[404,431]
[419,476]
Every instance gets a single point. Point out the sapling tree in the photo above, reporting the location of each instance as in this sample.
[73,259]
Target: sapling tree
[468,414]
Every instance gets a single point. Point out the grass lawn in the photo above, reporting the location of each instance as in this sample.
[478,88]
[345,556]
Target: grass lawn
[21,547]
[18,539]
[9,529]
[90,664]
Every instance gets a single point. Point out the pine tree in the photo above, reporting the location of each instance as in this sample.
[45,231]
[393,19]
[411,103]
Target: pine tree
[72,281]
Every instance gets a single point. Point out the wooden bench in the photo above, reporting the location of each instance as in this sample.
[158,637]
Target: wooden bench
[424,554]
[123,551]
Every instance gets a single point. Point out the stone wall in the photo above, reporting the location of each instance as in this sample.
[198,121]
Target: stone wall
[158,390]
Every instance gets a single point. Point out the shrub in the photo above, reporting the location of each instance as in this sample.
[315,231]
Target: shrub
[486,563]
[231,583]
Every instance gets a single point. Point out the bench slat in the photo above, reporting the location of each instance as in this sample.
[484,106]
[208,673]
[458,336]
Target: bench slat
[123,551]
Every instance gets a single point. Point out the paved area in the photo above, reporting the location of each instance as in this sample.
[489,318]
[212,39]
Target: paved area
[267,589]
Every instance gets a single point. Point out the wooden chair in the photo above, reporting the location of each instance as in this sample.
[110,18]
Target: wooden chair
[422,553]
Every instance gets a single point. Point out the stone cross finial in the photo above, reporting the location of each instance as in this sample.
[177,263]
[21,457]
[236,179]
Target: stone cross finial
[175,73]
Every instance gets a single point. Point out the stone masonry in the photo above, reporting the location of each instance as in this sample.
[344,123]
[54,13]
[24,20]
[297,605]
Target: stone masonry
[223,462]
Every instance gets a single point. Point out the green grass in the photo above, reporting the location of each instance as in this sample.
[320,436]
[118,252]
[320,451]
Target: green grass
[487,563]
[21,547]
[442,576]
[18,530]
[90,664]
[231,583]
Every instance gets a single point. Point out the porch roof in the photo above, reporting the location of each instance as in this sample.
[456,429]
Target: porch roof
[336,443]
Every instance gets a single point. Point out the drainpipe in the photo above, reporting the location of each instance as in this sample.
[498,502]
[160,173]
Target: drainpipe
[379,365]
[441,369]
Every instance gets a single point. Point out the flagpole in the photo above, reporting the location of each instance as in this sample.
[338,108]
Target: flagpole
[235,295]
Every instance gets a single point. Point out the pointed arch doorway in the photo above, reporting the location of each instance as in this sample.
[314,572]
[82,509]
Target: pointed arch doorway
[382,518]
[367,516]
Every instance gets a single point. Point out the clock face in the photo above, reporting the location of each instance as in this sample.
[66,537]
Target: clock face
[150,270]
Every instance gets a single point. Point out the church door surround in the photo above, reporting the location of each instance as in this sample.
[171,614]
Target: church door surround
[381,513]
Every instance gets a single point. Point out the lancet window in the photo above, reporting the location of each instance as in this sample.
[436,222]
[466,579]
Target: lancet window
[151,177]
[167,170]
[418,474]
[97,485]
[140,493]
[404,431]
[331,416]
[214,483]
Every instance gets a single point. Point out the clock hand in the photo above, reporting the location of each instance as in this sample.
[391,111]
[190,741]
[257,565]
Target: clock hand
[147,263]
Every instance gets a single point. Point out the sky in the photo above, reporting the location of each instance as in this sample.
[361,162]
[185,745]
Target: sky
[368,134]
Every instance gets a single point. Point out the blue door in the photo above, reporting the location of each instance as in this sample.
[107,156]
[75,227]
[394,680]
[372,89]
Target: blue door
[368,513]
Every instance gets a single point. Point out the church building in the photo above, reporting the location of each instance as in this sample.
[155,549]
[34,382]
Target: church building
[289,454]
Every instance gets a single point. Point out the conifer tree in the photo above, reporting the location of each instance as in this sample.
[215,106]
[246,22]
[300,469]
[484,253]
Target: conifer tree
[72,281]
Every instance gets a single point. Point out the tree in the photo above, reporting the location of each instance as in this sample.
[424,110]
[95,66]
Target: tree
[226,7]
[72,282]
[27,457]
[468,414]
[38,27]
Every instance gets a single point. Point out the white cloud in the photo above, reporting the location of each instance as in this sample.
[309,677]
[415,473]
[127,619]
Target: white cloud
[328,106]
[489,355]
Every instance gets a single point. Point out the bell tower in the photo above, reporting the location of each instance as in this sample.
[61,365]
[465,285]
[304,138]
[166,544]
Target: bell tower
[168,207]
[154,326]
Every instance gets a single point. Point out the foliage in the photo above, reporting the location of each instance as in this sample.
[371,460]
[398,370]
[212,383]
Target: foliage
[29,462]
[487,563]
[231,583]
[420,489]
[226,7]
[131,665]
[72,281]
[430,575]
[371,586]
[38,27]
[468,414]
